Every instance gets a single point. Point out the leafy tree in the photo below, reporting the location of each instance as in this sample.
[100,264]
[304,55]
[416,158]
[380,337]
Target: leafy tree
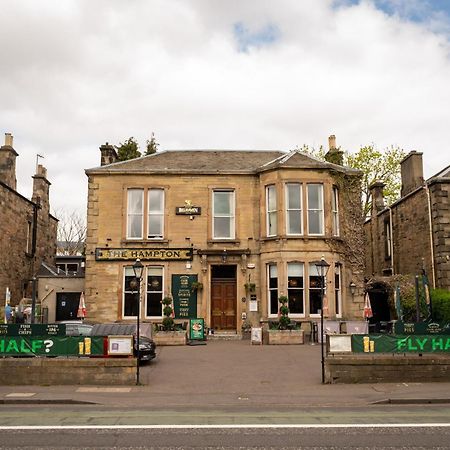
[128,150]
[152,145]
[376,165]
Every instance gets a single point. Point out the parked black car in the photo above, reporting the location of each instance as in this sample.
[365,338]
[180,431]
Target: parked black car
[147,348]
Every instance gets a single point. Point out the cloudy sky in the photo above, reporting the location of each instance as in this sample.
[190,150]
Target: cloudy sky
[230,74]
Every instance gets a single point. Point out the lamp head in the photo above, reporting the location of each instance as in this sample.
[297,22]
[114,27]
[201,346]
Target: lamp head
[138,268]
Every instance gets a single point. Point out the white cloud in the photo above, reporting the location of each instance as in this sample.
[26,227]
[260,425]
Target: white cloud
[78,73]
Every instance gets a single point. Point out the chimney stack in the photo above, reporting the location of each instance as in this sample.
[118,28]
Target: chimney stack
[41,188]
[376,189]
[109,154]
[412,172]
[8,162]
[334,154]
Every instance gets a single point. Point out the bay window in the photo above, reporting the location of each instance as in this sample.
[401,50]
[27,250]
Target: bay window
[271,210]
[315,209]
[272,287]
[130,303]
[335,210]
[295,288]
[337,290]
[154,291]
[315,285]
[294,223]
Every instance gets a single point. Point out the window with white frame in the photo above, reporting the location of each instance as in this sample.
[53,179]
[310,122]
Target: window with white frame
[130,302]
[337,290]
[223,214]
[155,214]
[295,288]
[314,291]
[154,291]
[271,210]
[335,210]
[294,223]
[272,285]
[315,209]
[135,213]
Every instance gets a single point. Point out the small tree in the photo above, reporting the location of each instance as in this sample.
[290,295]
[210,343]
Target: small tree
[284,313]
[167,321]
[71,234]
[152,145]
[128,150]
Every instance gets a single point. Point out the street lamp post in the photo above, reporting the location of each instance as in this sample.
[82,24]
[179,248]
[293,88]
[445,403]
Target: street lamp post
[322,268]
[138,268]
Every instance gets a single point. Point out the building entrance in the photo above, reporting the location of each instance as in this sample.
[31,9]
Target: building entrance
[223,297]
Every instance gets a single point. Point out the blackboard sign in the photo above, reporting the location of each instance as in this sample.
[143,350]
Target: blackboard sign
[184,296]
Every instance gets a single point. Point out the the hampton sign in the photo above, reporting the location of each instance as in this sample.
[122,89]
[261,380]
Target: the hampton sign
[144,254]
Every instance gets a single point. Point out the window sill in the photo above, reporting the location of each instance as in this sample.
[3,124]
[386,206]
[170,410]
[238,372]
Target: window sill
[143,241]
[223,241]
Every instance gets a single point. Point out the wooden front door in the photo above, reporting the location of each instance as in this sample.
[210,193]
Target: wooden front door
[223,304]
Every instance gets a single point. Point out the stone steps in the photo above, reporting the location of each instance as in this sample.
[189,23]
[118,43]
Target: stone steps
[224,336]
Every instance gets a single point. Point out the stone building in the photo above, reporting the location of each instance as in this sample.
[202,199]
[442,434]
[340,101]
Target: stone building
[413,233]
[225,233]
[27,229]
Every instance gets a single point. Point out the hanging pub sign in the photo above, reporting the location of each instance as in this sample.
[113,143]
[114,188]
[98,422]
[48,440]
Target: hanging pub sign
[144,254]
[184,296]
[188,210]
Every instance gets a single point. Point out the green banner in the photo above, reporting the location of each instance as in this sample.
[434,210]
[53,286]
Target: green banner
[197,329]
[421,328]
[386,343]
[33,329]
[51,346]
[184,296]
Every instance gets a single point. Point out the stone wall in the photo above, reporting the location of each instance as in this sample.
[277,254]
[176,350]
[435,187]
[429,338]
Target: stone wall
[70,371]
[440,199]
[387,369]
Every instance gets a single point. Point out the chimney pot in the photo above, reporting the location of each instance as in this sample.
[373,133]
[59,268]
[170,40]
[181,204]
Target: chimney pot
[332,142]
[9,139]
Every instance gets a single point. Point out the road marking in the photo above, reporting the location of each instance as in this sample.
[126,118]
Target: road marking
[103,389]
[20,394]
[227,426]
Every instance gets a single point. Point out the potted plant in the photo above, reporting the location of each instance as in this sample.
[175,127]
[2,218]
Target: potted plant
[196,286]
[284,331]
[170,334]
[250,287]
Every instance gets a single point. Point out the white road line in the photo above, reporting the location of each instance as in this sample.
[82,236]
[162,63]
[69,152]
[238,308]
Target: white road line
[228,426]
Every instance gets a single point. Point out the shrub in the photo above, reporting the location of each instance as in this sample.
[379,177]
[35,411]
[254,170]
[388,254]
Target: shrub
[167,321]
[284,313]
[440,302]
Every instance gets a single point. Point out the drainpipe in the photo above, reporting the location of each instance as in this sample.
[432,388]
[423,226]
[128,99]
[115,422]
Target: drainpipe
[430,223]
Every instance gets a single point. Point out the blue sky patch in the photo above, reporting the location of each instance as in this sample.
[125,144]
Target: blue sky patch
[413,10]
[247,38]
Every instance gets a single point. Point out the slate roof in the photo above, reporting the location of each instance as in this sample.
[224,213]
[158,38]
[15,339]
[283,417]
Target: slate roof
[216,161]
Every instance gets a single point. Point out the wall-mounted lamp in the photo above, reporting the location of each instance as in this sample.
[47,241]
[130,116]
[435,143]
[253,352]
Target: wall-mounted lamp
[352,287]
[224,255]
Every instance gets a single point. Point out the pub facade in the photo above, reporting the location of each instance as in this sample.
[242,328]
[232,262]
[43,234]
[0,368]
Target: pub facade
[225,234]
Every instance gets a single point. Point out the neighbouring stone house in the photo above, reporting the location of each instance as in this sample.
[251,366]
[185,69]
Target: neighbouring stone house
[27,229]
[410,235]
[225,233]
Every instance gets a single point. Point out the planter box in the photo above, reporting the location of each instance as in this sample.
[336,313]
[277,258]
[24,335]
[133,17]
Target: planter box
[284,337]
[170,337]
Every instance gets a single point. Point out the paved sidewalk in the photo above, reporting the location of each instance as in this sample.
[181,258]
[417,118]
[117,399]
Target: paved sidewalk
[232,374]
